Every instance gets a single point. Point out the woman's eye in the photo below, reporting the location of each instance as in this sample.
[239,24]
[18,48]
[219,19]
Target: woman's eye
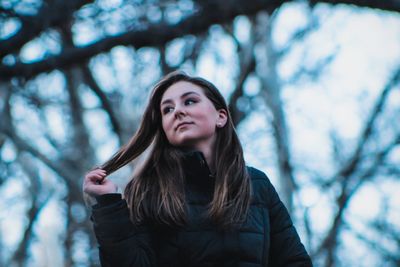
[167,110]
[189,102]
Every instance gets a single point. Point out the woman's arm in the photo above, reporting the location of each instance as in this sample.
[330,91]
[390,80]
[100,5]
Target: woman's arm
[121,243]
[286,248]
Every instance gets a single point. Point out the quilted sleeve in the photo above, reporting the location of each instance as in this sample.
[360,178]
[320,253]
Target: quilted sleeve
[121,243]
[286,249]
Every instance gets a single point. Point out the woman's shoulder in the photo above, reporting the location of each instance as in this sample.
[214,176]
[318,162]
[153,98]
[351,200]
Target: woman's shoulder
[257,176]
[261,185]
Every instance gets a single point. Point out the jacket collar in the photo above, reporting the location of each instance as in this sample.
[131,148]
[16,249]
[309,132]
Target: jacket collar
[196,169]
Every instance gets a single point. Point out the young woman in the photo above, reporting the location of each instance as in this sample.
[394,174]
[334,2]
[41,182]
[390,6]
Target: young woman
[193,202]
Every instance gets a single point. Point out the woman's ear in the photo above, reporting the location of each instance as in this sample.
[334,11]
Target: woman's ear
[222,118]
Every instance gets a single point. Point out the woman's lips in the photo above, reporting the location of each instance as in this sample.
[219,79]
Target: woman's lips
[182,124]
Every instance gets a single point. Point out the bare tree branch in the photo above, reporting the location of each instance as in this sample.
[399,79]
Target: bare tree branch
[105,103]
[351,181]
[389,5]
[300,34]
[247,64]
[271,93]
[349,189]
[385,229]
[355,159]
[210,13]
[37,204]
[73,80]
[48,16]
[8,130]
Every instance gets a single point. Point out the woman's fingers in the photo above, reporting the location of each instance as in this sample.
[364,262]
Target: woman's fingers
[96,175]
[95,183]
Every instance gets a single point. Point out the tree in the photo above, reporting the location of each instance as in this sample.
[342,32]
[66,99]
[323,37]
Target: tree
[73,86]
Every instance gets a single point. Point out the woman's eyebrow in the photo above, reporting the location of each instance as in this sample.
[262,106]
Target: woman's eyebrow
[189,93]
[182,96]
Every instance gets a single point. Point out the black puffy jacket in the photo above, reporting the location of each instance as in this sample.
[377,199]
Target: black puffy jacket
[267,238]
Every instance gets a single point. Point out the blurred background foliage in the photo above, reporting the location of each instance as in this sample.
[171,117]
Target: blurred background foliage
[313,87]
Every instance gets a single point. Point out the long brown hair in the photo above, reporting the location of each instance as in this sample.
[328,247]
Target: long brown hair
[157,193]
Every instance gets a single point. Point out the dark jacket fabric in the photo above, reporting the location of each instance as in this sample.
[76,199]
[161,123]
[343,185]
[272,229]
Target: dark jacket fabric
[266,238]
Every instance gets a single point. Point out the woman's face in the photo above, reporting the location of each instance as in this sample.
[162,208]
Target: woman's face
[189,118]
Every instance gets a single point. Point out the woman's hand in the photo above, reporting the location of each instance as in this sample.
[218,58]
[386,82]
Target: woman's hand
[96,184]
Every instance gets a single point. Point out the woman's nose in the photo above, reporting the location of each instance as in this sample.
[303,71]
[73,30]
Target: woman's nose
[180,111]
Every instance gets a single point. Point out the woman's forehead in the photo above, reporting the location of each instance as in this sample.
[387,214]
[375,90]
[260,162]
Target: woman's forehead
[179,89]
